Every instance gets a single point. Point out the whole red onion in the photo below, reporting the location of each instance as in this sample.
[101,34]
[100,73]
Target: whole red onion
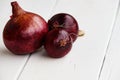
[58,43]
[67,21]
[24,32]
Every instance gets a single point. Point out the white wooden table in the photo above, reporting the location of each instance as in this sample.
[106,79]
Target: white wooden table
[96,56]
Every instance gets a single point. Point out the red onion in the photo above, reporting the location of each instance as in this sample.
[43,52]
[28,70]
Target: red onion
[67,21]
[25,31]
[58,43]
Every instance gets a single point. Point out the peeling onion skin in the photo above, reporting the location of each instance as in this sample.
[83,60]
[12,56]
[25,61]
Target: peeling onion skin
[24,33]
[58,43]
[67,21]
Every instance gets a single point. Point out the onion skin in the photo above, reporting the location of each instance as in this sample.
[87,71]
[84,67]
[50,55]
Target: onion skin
[24,32]
[67,21]
[58,43]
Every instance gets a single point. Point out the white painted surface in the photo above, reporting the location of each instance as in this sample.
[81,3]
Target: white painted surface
[111,69]
[12,65]
[95,17]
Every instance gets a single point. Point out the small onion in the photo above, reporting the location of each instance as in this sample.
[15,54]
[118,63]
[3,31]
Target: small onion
[67,21]
[58,43]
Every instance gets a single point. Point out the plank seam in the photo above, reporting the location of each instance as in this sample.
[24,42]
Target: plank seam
[23,67]
[106,50]
[56,2]
[109,75]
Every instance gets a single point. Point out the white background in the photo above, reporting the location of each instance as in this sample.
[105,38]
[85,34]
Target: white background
[95,56]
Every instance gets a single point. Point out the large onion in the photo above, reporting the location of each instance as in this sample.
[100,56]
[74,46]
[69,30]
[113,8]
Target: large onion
[24,32]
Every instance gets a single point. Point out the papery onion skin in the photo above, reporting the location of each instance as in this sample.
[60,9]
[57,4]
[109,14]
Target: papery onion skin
[24,33]
[66,21]
[58,43]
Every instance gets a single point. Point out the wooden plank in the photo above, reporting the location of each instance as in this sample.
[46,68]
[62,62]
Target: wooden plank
[96,18]
[11,65]
[111,69]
